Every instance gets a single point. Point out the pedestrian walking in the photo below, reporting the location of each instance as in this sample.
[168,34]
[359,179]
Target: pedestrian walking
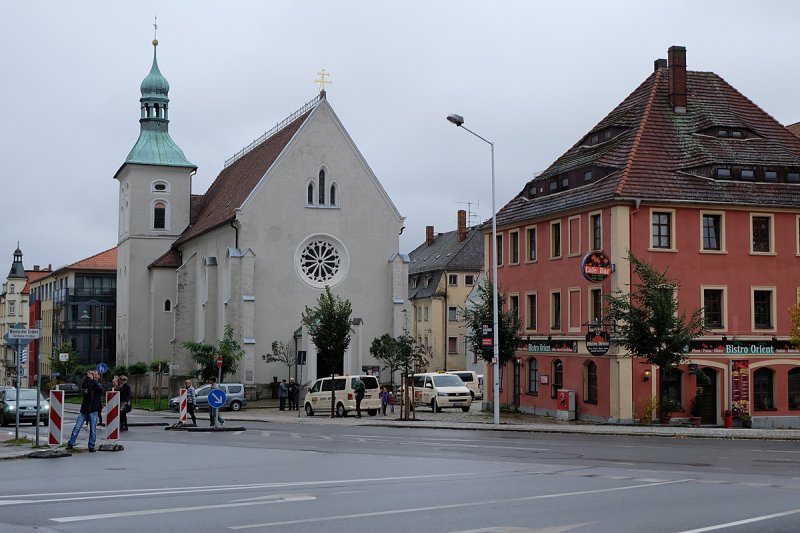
[92,391]
[213,412]
[191,400]
[384,400]
[283,392]
[291,390]
[391,402]
[125,402]
[359,389]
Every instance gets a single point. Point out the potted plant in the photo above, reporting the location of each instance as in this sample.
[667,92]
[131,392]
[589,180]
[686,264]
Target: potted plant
[697,412]
[668,406]
[649,405]
[747,421]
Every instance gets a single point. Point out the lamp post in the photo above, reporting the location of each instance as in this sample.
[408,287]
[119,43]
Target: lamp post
[458,120]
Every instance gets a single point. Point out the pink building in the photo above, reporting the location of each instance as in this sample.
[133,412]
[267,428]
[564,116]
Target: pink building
[693,177]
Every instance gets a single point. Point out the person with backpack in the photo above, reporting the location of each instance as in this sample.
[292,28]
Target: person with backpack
[359,389]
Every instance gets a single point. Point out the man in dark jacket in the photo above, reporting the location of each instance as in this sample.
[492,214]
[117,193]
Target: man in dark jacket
[92,391]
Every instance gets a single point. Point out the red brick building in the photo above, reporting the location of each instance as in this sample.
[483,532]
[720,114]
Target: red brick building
[693,177]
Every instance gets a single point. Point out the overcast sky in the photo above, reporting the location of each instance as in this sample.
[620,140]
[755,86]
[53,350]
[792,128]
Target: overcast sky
[533,77]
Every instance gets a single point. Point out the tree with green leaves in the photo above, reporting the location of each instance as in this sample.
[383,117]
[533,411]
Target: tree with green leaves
[64,368]
[159,368]
[137,370]
[400,353]
[205,355]
[282,352]
[647,322]
[508,331]
[329,328]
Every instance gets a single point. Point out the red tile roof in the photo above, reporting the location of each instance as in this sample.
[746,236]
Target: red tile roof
[103,261]
[794,128]
[171,259]
[34,275]
[235,182]
[660,155]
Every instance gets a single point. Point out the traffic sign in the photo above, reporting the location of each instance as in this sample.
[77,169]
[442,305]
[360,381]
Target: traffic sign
[102,368]
[23,334]
[219,361]
[216,398]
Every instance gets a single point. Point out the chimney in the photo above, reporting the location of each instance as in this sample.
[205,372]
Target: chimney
[677,78]
[428,235]
[659,63]
[36,268]
[462,225]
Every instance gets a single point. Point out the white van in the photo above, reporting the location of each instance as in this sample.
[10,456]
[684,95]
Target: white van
[318,397]
[441,391]
[470,379]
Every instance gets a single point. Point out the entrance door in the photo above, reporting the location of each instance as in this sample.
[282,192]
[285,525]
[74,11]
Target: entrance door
[709,411]
[516,385]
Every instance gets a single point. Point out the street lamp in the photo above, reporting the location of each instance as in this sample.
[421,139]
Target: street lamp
[458,120]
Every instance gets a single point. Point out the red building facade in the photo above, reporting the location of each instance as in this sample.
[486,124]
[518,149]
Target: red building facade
[694,178]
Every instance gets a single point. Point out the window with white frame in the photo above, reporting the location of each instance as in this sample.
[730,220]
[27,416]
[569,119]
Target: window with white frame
[513,247]
[452,344]
[498,249]
[555,310]
[452,280]
[596,227]
[713,228]
[425,314]
[763,308]
[555,240]
[452,314]
[160,215]
[530,243]
[533,376]
[762,234]
[469,280]
[714,307]
[530,311]
[662,237]
[596,304]
[574,236]
[513,304]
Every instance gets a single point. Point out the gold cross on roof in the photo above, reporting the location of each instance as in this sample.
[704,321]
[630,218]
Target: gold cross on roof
[322,81]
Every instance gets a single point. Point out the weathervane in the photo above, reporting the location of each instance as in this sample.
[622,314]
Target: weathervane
[155,30]
[322,81]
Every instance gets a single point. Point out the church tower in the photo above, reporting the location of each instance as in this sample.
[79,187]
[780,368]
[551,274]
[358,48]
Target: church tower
[154,198]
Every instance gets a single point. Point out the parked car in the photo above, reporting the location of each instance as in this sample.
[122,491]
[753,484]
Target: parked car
[26,406]
[70,389]
[234,397]
[318,397]
[470,379]
[441,391]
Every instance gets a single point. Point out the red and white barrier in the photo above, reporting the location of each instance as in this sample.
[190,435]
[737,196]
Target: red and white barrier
[112,416]
[184,400]
[56,425]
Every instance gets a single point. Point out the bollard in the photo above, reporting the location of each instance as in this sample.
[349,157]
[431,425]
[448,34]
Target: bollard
[112,416]
[56,425]
[182,410]
[728,419]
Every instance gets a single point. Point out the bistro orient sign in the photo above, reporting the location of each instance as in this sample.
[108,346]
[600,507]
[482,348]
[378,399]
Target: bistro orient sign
[596,267]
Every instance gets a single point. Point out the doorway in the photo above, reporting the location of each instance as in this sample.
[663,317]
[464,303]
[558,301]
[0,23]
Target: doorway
[707,382]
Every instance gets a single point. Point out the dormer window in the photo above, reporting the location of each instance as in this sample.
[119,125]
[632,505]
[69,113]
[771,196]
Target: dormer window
[770,175]
[748,174]
[737,134]
[606,134]
[793,176]
[587,176]
[553,185]
[723,173]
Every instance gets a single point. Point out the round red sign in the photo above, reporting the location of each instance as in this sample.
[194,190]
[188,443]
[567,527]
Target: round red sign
[219,361]
[596,267]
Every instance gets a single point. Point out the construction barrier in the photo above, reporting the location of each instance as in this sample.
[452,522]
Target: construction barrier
[182,410]
[56,424]
[112,416]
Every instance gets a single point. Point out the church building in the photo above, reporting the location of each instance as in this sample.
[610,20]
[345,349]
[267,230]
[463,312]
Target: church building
[296,210]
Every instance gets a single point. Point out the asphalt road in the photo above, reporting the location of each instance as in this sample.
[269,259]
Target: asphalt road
[348,477]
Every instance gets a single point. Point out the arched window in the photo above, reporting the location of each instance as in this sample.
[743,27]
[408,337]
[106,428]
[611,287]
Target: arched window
[558,378]
[590,382]
[167,306]
[794,388]
[159,215]
[533,376]
[763,385]
[333,194]
[321,187]
[310,194]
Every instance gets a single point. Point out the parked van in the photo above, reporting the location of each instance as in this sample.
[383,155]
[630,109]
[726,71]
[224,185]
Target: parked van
[318,397]
[441,391]
[470,379]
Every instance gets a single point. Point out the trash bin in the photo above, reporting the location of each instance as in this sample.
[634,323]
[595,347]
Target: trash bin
[728,419]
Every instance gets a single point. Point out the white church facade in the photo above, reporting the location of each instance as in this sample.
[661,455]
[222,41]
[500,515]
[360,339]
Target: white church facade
[299,209]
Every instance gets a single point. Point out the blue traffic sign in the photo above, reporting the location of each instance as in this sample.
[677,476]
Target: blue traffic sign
[102,368]
[216,398]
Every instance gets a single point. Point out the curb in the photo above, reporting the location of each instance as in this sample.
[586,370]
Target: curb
[215,429]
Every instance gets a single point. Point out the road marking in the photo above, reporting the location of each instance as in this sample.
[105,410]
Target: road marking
[453,505]
[741,522]
[82,518]
[125,493]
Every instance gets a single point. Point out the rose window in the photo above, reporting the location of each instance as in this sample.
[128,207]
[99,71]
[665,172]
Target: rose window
[321,261]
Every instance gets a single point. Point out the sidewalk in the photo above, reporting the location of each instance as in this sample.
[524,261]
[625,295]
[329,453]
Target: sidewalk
[265,411]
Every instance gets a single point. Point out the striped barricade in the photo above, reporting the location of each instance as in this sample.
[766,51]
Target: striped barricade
[182,410]
[112,416]
[56,424]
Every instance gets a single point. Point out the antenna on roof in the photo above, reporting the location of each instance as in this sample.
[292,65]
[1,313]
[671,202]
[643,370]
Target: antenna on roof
[472,214]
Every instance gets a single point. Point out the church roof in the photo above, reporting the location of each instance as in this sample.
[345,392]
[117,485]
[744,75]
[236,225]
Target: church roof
[171,259]
[656,153]
[235,182]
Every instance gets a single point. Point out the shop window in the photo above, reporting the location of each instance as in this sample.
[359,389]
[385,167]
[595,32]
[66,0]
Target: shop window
[558,378]
[671,382]
[763,386]
[590,382]
[794,388]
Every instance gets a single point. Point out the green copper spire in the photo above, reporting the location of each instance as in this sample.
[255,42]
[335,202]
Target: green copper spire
[155,147]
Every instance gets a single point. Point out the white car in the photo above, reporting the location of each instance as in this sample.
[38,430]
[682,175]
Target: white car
[441,391]
[470,379]
[318,397]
